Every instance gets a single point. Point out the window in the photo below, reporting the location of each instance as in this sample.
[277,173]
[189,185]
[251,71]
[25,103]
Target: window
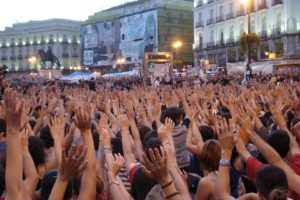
[212,38]
[200,17]
[231,7]
[231,36]
[264,25]
[123,36]
[211,13]
[221,11]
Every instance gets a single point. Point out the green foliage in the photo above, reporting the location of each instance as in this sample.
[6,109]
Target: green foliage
[248,41]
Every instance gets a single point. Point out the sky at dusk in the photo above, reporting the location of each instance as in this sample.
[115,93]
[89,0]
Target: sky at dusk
[14,11]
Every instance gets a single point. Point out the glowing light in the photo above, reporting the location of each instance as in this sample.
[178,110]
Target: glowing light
[60,39]
[177,44]
[244,1]
[7,44]
[71,68]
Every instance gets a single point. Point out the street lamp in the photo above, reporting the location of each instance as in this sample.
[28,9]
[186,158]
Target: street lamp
[32,61]
[248,2]
[177,45]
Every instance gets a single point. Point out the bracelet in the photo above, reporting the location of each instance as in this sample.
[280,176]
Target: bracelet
[172,195]
[114,182]
[107,150]
[164,186]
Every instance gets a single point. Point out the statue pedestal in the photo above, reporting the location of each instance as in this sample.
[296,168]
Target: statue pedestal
[50,74]
[48,65]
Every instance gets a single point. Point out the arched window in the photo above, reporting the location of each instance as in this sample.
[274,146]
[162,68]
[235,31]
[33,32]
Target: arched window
[212,37]
[231,35]
[264,24]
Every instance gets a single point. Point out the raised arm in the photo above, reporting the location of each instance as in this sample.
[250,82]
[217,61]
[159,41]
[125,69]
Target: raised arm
[128,154]
[14,163]
[71,165]
[88,180]
[227,140]
[30,172]
[271,155]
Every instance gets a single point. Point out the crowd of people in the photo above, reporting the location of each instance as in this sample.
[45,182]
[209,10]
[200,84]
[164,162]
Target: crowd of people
[122,139]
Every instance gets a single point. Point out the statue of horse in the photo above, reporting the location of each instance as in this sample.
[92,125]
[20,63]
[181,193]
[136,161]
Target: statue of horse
[48,56]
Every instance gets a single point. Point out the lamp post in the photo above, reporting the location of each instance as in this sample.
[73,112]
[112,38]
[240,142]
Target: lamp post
[32,61]
[248,3]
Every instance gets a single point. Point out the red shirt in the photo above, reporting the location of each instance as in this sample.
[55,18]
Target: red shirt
[253,165]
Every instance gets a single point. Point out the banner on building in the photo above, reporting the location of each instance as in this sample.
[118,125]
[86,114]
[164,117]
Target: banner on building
[88,57]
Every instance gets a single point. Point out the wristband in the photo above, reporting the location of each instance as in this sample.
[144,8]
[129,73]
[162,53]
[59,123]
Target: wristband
[172,195]
[114,182]
[164,186]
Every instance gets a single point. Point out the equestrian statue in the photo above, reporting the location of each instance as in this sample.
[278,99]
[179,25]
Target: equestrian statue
[48,56]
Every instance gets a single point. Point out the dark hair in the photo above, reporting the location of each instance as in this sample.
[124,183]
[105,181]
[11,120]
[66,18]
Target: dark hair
[36,149]
[271,182]
[2,126]
[207,133]
[210,155]
[32,123]
[48,183]
[45,135]
[174,113]
[116,145]
[148,136]
[280,141]
[152,143]
[141,185]
[143,130]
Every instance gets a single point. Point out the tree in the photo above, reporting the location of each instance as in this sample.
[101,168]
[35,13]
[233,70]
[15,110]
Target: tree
[247,41]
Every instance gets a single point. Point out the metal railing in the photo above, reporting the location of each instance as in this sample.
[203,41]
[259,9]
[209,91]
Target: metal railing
[230,15]
[220,18]
[210,44]
[230,41]
[240,12]
[199,24]
[275,2]
[210,21]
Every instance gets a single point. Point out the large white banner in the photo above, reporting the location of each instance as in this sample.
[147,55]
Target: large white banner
[90,40]
[88,57]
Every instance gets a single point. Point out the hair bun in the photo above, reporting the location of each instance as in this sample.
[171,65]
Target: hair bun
[278,194]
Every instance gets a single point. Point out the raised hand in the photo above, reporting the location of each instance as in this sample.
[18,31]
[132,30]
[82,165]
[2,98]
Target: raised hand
[83,118]
[169,126]
[57,125]
[13,110]
[116,165]
[226,135]
[73,163]
[157,167]
[123,120]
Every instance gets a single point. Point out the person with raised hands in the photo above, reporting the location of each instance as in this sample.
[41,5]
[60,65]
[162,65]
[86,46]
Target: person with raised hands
[73,163]
[88,180]
[273,157]
[157,167]
[13,109]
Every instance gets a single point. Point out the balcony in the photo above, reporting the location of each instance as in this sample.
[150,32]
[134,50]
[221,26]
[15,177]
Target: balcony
[75,55]
[65,55]
[220,43]
[262,5]
[230,15]
[210,45]
[263,34]
[230,42]
[198,48]
[276,2]
[12,57]
[20,57]
[220,18]
[240,13]
[199,24]
[210,21]
[3,58]
[199,3]
[210,1]
[276,32]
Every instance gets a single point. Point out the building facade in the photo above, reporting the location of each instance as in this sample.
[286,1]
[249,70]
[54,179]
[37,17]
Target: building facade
[129,30]
[219,24]
[19,44]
